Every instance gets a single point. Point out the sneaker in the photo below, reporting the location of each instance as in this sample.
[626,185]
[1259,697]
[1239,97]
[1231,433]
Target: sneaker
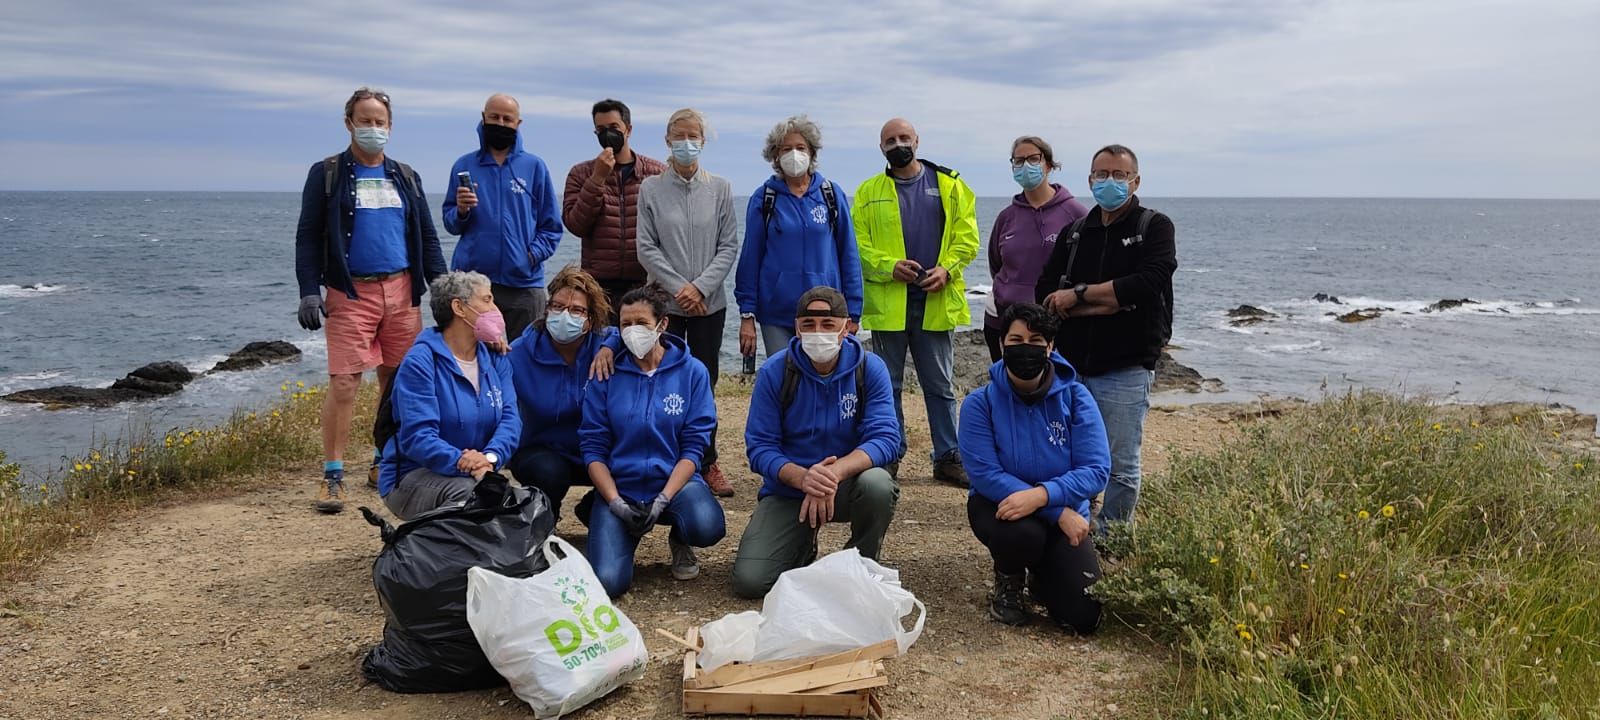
[685,566]
[372,475]
[718,482]
[330,496]
[949,470]
[1006,606]
[894,470]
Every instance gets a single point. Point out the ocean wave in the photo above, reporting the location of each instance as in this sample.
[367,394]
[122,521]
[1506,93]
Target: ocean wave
[1421,308]
[26,380]
[31,290]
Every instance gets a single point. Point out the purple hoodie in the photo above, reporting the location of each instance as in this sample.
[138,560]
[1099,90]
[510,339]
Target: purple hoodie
[1020,244]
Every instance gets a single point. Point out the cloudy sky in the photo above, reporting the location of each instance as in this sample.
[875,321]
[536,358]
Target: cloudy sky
[1435,98]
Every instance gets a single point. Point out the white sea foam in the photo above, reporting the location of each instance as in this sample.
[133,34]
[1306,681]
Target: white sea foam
[1415,308]
[24,291]
[27,380]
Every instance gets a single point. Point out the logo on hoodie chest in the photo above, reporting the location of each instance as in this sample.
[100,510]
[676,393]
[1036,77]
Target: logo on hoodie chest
[518,186]
[1058,433]
[847,406]
[819,214]
[672,404]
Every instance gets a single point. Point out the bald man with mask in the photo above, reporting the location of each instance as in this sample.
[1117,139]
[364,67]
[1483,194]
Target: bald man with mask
[508,217]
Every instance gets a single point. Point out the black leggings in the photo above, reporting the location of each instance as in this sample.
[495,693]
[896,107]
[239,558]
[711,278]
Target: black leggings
[991,337]
[1061,573]
[704,335]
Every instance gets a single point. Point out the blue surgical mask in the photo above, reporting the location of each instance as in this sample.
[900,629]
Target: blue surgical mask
[685,152]
[1028,175]
[372,139]
[1110,193]
[564,327]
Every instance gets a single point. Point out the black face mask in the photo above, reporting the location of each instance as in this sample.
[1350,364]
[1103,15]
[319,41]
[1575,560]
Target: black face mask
[610,138]
[1025,361]
[900,156]
[499,137]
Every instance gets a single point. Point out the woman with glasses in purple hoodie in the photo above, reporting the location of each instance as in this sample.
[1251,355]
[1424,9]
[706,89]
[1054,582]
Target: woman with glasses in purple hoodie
[1025,232]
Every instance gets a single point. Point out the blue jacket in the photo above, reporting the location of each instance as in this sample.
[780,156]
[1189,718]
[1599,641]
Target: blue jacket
[440,415]
[517,223]
[322,238]
[549,392]
[641,425]
[1058,443]
[795,252]
[821,421]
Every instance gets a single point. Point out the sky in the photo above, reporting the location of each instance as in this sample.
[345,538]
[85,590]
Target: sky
[1231,98]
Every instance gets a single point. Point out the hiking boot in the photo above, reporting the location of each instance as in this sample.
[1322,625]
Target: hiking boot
[949,470]
[372,475]
[718,482]
[1006,606]
[685,566]
[894,470]
[1035,589]
[330,496]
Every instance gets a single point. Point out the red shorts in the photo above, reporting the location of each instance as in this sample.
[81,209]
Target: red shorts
[377,328]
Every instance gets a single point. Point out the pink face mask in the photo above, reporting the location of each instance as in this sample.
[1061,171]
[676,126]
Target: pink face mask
[490,327]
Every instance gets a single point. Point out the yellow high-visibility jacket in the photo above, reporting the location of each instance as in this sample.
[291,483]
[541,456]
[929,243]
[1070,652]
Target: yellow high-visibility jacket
[876,216]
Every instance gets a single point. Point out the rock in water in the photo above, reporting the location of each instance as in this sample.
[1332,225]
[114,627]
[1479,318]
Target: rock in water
[70,396]
[1362,315]
[1173,375]
[165,371]
[1324,297]
[1250,311]
[258,354]
[1447,304]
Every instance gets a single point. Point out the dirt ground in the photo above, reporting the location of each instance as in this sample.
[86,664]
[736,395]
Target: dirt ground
[252,605]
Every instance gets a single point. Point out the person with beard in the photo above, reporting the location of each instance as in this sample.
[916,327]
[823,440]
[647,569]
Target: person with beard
[506,216]
[1036,450]
[601,203]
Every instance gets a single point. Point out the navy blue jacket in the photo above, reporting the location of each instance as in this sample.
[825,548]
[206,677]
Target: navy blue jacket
[323,236]
[517,223]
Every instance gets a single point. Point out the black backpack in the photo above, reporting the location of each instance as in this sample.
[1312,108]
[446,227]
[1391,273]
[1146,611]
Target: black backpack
[330,177]
[769,202]
[791,386]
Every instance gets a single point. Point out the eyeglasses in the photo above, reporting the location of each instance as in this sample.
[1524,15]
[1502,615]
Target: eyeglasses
[1118,175]
[360,95]
[1034,159]
[576,310]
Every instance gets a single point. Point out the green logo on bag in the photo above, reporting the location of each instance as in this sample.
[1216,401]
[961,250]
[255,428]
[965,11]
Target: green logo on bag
[567,637]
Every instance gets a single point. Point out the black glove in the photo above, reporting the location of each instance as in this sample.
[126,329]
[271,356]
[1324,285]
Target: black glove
[628,511]
[658,506]
[312,312]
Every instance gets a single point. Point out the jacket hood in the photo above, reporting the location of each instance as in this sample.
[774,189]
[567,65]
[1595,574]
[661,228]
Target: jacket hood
[677,354]
[434,338]
[483,146]
[851,354]
[1064,377]
[775,181]
[1021,199]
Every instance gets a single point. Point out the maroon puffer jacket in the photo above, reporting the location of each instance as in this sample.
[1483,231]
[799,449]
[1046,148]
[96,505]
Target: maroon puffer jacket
[605,217]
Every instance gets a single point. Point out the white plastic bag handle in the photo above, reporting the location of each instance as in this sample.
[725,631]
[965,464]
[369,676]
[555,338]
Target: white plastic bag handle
[566,548]
[904,639]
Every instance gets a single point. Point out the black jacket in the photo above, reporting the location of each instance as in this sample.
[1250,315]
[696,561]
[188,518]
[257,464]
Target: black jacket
[323,236]
[1140,269]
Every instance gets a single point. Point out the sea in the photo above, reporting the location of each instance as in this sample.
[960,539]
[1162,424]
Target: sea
[95,284]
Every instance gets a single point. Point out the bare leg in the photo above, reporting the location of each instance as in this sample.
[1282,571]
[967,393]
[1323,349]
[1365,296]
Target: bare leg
[337,408]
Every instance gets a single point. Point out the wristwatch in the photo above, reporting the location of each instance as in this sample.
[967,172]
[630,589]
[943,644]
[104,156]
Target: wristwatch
[1079,290]
[747,316]
[492,458]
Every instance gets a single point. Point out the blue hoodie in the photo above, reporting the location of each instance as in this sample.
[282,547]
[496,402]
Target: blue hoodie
[517,223]
[440,415]
[821,420]
[795,252]
[550,392]
[1058,443]
[641,425]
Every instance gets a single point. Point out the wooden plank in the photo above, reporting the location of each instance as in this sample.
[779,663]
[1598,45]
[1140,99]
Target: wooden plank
[875,708]
[876,681]
[680,642]
[804,680]
[690,668]
[702,702]
[738,673]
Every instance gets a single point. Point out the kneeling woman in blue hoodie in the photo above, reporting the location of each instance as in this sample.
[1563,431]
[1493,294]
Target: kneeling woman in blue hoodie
[453,400]
[644,432]
[1036,452]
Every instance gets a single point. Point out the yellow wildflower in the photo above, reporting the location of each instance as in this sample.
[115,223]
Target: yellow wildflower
[1344,576]
[1215,559]
[284,387]
[1363,514]
[1339,610]
[1304,566]
[1388,511]
[1577,466]
[1437,426]
[299,384]
[1245,635]
[1474,423]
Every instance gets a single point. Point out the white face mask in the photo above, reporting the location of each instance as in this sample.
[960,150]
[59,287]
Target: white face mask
[794,163]
[821,347]
[640,339]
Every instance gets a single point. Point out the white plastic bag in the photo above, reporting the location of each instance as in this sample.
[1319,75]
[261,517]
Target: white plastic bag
[554,636]
[841,602]
[730,639]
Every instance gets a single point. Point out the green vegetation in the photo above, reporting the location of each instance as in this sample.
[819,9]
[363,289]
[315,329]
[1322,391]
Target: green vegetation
[1370,557]
[145,467]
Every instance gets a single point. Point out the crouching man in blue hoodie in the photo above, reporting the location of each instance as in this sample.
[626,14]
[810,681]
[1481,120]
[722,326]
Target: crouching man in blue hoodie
[821,429]
[453,401]
[1036,452]
[644,432]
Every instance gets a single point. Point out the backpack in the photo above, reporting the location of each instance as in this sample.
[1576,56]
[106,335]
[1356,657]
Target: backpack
[769,202]
[791,386]
[1145,215]
[330,177]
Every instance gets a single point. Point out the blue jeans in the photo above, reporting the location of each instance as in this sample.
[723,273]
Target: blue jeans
[696,520]
[545,469]
[1124,398]
[774,338]
[935,357]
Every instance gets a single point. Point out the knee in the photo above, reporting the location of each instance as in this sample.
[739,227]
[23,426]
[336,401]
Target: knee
[615,577]
[343,387]
[1080,613]
[1017,534]
[876,491]
[753,577]
[703,525]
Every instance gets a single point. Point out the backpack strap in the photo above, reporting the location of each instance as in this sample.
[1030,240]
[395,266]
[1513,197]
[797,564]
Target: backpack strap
[1145,214]
[1072,233]
[833,206]
[769,203]
[330,174]
[861,389]
[409,176]
[789,388]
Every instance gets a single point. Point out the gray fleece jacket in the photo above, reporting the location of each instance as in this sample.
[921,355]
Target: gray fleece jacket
[688,233]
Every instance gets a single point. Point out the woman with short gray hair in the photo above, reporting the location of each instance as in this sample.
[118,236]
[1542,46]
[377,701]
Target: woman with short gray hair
[797,235]
[453,402]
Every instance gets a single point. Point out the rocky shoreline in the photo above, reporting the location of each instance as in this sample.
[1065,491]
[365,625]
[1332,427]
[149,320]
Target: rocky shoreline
[154,380]
[972,369]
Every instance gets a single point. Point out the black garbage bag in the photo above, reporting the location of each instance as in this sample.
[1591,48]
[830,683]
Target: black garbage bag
[421,578]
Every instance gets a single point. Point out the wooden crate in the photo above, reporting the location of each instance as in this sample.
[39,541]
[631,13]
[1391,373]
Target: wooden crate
[837,685]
